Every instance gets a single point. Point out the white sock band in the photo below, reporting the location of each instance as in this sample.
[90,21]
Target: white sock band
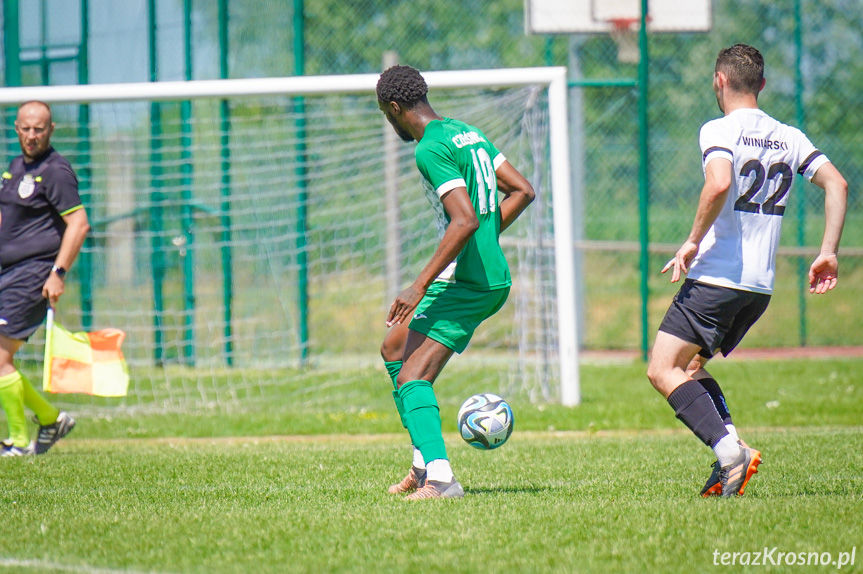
[733,432]
[727,450]
[419,462]
[439,470]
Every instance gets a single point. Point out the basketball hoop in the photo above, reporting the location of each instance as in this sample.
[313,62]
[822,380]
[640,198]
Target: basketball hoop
[624,32]
[596,16]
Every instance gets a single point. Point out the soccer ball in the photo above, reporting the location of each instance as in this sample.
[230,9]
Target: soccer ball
[485,421]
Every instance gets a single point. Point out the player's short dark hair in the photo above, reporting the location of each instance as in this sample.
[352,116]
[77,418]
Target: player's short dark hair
[404,85]
[743,66]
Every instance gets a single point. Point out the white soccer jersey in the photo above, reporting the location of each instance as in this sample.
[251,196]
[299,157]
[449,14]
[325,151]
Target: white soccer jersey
[739,250]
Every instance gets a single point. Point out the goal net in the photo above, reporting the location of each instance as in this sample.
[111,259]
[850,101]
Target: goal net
[249,235]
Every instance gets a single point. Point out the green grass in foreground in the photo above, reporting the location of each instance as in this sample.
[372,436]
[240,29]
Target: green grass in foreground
[540,504]
[622,499]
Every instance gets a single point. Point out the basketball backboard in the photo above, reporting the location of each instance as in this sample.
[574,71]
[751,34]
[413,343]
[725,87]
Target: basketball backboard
[599,16]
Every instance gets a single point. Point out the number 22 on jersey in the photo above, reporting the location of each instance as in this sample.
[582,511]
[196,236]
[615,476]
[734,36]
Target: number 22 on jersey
[762,175]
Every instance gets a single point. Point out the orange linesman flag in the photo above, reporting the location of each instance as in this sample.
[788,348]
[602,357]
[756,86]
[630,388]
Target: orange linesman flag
[90,363]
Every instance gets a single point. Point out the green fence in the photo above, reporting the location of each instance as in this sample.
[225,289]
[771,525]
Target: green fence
[814,68]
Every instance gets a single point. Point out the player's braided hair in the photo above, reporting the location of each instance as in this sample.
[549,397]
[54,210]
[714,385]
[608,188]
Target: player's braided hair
[402,84]
[744,67]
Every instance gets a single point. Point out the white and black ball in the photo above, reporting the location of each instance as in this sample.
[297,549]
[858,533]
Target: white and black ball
[485,421]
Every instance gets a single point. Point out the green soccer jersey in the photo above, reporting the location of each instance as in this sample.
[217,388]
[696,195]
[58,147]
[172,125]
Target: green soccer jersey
[454,154]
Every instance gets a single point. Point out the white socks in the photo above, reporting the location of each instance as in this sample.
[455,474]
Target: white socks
[439,470]
[732,431]
[418,459]
[727,450]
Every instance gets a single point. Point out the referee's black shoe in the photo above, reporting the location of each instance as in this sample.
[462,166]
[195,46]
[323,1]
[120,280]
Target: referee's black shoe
[50,434]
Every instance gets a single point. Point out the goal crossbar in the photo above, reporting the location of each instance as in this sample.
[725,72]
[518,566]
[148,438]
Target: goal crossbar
[290,86]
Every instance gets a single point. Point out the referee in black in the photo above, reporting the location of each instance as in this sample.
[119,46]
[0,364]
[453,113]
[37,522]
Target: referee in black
[42,227]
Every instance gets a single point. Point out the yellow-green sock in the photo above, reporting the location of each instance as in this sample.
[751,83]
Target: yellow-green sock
[33,400]
[12,401]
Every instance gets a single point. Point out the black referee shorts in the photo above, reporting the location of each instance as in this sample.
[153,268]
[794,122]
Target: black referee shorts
[712,317]
[22,307]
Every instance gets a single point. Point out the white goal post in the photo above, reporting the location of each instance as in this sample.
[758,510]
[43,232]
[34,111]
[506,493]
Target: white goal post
[553,79]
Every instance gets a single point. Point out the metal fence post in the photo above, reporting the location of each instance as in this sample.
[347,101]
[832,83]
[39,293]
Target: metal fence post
[225,168]
[643,176]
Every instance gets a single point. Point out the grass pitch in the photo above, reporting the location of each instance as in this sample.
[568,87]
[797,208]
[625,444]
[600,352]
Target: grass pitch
[608,487]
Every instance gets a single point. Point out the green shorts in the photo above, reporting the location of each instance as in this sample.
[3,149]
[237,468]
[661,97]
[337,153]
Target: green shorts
[450,313]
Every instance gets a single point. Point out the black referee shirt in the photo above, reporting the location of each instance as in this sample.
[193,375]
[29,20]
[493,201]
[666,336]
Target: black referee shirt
[33,200]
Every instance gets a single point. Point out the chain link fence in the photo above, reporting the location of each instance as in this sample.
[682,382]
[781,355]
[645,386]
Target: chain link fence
[814,69]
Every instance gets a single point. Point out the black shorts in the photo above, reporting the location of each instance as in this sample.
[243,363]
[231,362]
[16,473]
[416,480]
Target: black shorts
[712,317]
[22,307]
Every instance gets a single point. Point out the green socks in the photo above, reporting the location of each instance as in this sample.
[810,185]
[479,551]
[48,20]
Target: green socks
[419,412]
[12,401]
[393,368]
[422,417]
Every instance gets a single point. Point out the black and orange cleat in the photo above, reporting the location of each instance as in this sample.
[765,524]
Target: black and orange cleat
[752,468]
[415,479]
[712,487]
[734,477]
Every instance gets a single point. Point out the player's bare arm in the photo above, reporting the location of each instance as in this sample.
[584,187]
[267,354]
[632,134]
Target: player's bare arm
[77,227]
[717,182]
[824,271]
[517,190]
[463,224]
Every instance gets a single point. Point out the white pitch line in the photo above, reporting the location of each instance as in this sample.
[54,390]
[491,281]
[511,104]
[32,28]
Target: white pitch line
[44,564]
